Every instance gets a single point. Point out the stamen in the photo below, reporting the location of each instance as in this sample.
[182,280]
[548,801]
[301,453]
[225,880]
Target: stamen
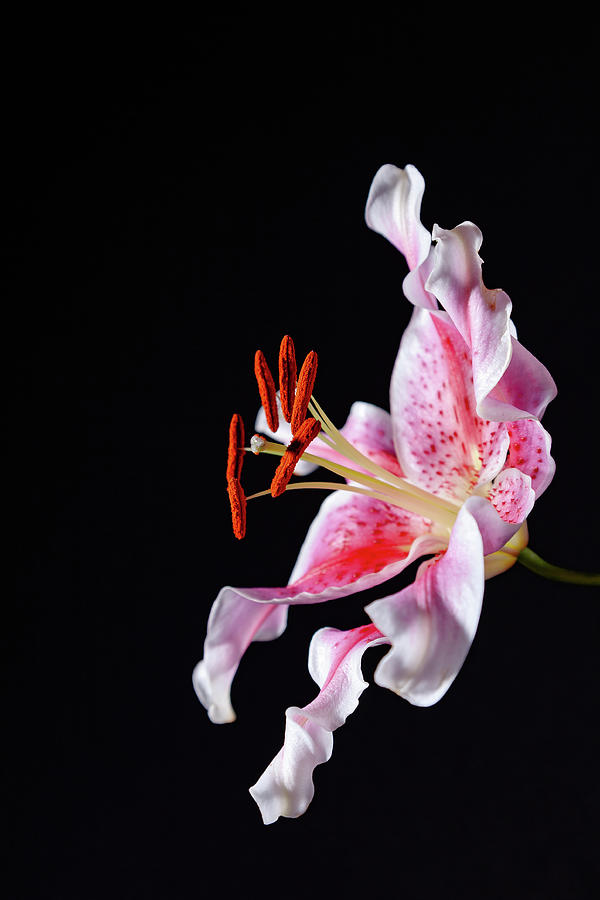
[237,501]
[307,432]
[257,442]
[266,388]
[306,382]
[287,376]
[235,450]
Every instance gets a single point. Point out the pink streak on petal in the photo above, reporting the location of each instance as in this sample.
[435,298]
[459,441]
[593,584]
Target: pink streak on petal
[431,624]
[393,210]
[442,444]
[286,788]
[234,622]
[356,542]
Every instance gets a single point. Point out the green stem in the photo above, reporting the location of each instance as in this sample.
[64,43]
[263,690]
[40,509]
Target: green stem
[532,561]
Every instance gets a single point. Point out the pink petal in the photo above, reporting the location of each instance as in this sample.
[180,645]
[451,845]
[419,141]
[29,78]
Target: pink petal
[525,389]
[286,787]
[431,624]
[529,452]
[512,496]
[414,284]
[495,531]
[442,444]
[481,316]
[394,208]
[354,543]
[234,622]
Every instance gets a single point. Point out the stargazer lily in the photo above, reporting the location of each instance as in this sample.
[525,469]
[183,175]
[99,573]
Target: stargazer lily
[448,477]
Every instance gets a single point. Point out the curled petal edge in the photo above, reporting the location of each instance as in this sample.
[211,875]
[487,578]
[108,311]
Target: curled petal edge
[286,787]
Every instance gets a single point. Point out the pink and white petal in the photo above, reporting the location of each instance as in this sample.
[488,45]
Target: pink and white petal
[525,389]
[437,433]
[512,496]
[394,210]
[234,622]
[495,531]
[286,787]
[529,452]
[431,623]
[494,447]
[356,542]
[414,283]
[482,316]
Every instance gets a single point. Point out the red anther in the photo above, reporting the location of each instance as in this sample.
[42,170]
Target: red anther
[235,450]
[287,376]
[237,501]
[307,432]
[306,381]
[266,387]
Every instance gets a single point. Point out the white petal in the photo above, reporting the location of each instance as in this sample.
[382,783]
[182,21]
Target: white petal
[431,624]
[286,787]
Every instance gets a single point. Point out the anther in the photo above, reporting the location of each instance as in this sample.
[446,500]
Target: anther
[287,376]
[237,501]
[306,434]
[306,381]
[266,388]
[235,450]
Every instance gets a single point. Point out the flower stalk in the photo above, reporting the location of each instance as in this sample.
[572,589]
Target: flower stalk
[536,564]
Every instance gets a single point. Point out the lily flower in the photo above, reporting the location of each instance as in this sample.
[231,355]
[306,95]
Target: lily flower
[437,477]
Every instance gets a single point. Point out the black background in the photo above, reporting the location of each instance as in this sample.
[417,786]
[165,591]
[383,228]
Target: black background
[177,196]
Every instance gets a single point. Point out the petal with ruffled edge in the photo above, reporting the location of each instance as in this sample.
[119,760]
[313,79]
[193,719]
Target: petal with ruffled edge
[512,496]
[525,389]
[286,787]
[394,208]
[234,622]
[529,451]
[481,315]
[353,544]
[442,444]
[509,382]
[431,623]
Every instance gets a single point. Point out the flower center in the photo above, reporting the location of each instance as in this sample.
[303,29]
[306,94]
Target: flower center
[363,476]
